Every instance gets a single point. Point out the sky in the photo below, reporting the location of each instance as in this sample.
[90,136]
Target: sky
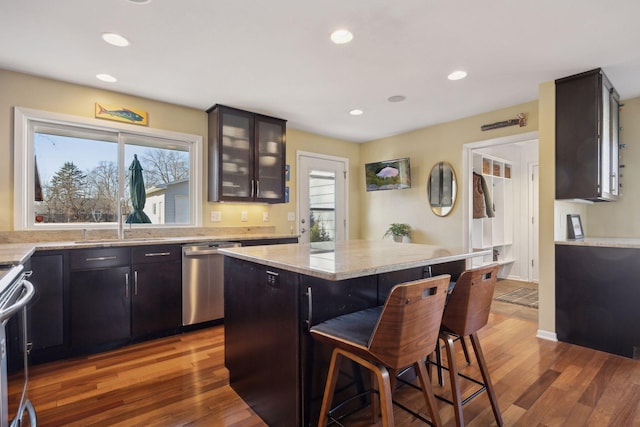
[53,151]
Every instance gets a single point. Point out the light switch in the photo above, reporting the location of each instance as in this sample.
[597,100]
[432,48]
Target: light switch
[216,216]
[291,216]
[243,216]
[265,216]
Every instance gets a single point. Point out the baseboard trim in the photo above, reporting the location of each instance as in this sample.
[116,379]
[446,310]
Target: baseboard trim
[547,335]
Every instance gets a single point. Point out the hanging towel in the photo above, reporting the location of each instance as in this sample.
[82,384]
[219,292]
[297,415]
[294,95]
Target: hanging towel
[482,205]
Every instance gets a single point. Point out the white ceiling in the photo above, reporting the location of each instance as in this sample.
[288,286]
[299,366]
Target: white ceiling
[275,56]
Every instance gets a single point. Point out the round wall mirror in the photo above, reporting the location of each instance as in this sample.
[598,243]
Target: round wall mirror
[442,189]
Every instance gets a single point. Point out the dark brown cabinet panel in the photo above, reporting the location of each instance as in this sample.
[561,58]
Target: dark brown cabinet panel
[247,155]
[46,311]
[587,146]
[100,307]
[597,298]
[156,303]
[261,339]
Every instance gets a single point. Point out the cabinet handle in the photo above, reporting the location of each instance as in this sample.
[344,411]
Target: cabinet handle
[257,188]
[135,283]
[126,285]
[101,258]
[310,312]
[252,187]
[158,254]
[272,278]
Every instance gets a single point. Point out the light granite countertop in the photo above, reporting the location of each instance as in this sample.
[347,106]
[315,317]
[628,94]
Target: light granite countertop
[609,242]
[19,253]
[351,258]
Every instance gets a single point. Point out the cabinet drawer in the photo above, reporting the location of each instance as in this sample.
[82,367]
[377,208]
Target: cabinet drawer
[87,259]
[155,253]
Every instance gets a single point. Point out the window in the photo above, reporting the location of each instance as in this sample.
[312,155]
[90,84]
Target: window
[72,172]
[322,206]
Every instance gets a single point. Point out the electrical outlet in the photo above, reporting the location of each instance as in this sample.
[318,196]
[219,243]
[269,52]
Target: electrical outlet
[265,216]
[216,216]
[243,216]
[291,216]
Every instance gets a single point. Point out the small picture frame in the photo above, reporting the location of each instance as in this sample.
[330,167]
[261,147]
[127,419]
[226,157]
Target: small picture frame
[574,227]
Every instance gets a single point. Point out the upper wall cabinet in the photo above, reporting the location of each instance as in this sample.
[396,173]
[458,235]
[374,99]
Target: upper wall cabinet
[246,156]
[587,128]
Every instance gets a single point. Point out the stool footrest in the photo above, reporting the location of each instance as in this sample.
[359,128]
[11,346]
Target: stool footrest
[347,401]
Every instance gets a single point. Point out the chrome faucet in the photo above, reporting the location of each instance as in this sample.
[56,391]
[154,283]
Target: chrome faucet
[121,214]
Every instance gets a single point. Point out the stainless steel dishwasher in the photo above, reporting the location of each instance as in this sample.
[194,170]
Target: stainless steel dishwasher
[203,282]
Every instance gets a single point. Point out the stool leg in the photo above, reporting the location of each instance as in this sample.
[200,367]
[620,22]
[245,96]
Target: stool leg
[475,342]
[427,391]
[329,388]
[386,402]
[375,406]
[464,350]
[455,382]
[439,364]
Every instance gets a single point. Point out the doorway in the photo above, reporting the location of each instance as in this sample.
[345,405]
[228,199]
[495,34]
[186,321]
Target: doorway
[534,227]
[507,165]
[322,197]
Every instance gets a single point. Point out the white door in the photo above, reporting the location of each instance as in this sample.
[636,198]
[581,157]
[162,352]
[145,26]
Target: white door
[533,225]
[322,197]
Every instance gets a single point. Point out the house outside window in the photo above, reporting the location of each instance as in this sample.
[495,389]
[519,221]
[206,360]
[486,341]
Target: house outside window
[72,172]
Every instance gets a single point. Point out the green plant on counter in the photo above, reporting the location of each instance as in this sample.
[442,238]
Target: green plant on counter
[398,231]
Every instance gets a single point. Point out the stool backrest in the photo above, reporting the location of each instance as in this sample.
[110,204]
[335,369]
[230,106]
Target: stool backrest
[408,327]
[470,301]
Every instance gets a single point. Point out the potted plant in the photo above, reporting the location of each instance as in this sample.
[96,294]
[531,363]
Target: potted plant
[398,231]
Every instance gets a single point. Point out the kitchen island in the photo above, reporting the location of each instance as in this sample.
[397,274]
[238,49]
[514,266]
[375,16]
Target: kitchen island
[274,294]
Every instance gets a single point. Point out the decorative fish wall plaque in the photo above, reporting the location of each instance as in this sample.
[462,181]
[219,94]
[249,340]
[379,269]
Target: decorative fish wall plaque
[121,114]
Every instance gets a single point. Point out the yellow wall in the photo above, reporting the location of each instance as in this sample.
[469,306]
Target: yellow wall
[546,196]
[426,147]
[54,96]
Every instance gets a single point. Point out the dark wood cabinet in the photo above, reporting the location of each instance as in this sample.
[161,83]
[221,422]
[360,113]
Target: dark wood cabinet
[261,339]
[100,307]
[597,298]
[156,303]
[247,155]
[48,319]
[587,145]
[100,298]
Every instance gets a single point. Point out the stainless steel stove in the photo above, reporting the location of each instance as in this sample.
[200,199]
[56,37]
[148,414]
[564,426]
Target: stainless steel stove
[15,293]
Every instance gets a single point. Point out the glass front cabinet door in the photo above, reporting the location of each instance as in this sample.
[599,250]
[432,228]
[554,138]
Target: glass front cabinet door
[246,156]
[587,137]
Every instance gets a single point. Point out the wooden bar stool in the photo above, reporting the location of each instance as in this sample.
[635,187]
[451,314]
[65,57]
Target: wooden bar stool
[467,311]
[388,338]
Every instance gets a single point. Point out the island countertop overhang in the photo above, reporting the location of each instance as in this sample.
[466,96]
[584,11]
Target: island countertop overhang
[351,258]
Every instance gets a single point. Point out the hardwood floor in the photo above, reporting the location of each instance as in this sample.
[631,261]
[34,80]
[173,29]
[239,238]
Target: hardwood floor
[181,380]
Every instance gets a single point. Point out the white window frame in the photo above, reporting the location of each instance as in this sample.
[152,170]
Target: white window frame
[24,165]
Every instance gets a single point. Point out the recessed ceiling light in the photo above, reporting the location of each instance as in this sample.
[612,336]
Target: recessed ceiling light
[457,75]
[396,98]
[115,39]
[140,1]
[341,36]
[106,78]
[356,112]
